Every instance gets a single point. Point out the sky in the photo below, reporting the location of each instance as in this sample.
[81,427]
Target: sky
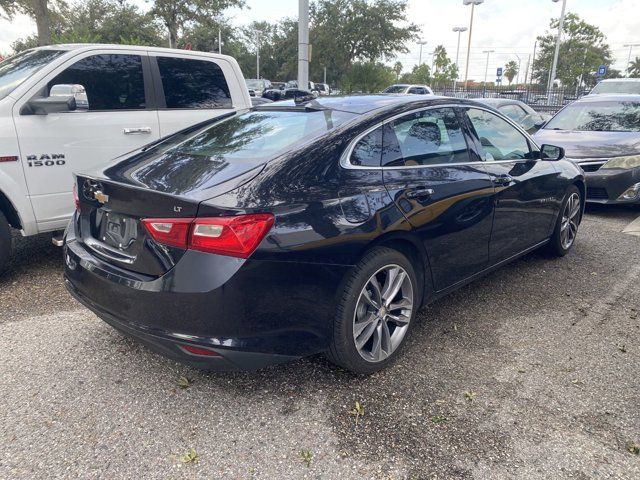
[508,27]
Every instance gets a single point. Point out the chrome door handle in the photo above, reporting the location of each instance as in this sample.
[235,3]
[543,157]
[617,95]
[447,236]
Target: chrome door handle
[503,179]
[420,192]
[137,130]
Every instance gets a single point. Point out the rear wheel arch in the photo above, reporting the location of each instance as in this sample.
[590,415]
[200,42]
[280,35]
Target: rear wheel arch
[412,248]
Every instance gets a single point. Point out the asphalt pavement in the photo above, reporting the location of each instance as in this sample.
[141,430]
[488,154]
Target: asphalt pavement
[531,372]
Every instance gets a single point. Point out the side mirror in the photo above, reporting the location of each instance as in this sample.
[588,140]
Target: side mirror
[47,105]
[78,92]
[551,152]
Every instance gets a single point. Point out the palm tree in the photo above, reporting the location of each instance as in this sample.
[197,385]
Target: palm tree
[634,68]
[511,70]
[398,69]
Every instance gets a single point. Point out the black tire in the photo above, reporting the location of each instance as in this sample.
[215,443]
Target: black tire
[5,243]
[556,246]
[343,351]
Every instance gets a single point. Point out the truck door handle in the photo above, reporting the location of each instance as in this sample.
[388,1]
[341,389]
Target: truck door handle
[420,192]
[503,179]
[137,130]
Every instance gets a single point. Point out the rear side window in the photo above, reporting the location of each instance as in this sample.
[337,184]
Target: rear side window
[368,151]
[111,82]
[429,137]
[191,83]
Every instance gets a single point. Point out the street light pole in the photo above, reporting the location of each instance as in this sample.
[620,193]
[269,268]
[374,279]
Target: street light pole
[258,54]
[557,51]
[473,3]
[630,45]
[421,43]
[303,44]
[486,69]
[459,30]
[518,74]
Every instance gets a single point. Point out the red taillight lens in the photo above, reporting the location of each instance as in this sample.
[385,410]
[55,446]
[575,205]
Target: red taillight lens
[76,198]
[169,231]
[201,351]
[236,236]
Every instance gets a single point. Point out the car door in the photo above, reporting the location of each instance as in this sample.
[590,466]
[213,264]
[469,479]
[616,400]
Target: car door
[115,115]
[190,90]
[525,185]
[442,189]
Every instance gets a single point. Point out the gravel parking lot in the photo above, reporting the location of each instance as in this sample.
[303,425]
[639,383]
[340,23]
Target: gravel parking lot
[531,372]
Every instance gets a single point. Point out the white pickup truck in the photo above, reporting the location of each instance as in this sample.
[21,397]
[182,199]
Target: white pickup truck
[66,108]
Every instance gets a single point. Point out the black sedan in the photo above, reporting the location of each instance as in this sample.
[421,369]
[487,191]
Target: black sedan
[321,226]
[521,113]
[601,133]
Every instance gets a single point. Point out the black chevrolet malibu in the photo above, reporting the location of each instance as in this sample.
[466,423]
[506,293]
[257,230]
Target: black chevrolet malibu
[322,226]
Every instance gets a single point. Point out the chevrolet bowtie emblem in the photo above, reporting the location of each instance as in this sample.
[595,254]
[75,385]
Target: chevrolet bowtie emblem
[100,197]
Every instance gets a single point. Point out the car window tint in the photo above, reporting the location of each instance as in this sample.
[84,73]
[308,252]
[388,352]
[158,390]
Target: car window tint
[425,138]
[514,112]
[368,151]
[499,139]
[191,83]
[111,82]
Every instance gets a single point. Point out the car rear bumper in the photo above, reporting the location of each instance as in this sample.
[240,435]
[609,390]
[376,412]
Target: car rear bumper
[607,185]
[251,313]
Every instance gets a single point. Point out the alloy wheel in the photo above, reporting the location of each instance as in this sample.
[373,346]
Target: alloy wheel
[570,217]
[382,313]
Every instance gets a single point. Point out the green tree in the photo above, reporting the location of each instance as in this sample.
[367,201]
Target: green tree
[368,77]
[397,67]
[444,70]
[347,31]
[419,74]
[634,68]
[582,49]
[41,11]
[100,21]
[511,70]
[176,15]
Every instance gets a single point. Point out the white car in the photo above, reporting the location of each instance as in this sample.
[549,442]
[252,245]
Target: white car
[617,86]
[405,88]
[66,108]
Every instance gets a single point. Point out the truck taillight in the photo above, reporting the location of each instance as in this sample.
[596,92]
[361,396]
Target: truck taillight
[236,236]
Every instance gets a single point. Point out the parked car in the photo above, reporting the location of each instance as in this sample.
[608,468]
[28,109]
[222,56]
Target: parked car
[323,88]
[409,89]
[266,246]
[617,86]
[276,95]
[519,112]
[257,86]
[601,133]
[69,107]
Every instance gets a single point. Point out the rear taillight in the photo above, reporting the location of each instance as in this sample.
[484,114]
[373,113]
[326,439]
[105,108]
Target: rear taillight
[76,198]
[236,236]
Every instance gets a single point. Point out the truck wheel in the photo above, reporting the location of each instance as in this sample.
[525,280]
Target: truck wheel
[5,242]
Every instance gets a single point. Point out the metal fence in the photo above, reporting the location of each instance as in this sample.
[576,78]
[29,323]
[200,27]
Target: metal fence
[540,99]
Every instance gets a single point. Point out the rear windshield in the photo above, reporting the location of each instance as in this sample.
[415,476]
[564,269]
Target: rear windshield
[395,89]
[598,117]
[617,87]
[258,134]
[16,69]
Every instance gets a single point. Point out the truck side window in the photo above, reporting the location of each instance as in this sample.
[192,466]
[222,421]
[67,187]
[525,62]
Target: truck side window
[193,83]
[111,81]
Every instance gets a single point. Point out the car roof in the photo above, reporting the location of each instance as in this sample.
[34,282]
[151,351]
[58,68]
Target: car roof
[608,97]
[94,46]
[610,80]
[361,104]
[498,102]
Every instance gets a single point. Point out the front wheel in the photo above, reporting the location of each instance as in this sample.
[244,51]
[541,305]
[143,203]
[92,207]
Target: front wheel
[375,312]
[5,242]
[566,229]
